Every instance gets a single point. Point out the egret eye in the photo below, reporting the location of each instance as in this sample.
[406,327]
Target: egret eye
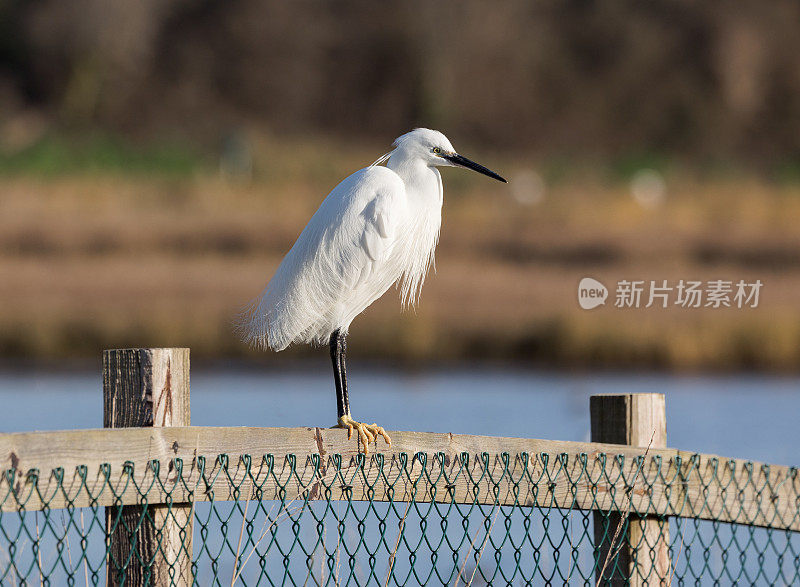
[437,150]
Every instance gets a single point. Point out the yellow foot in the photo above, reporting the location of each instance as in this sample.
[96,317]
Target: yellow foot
[366,432]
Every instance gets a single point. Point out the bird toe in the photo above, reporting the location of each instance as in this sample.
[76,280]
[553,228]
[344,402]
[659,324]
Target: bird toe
[367,433]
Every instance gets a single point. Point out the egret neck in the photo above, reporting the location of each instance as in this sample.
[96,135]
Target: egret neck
[423,182]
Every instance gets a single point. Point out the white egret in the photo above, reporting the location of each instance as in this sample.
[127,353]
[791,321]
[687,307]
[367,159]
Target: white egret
[376,228]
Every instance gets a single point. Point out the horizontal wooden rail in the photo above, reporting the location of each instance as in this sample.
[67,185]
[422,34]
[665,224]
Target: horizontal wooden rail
[88,468]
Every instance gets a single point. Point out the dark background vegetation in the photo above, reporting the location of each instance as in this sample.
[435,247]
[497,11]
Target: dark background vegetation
[157,158]
[711,80]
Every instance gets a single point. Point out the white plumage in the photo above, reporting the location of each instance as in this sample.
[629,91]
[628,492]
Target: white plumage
[379,226]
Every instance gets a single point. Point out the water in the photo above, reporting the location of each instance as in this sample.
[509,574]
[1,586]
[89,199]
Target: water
[750,417]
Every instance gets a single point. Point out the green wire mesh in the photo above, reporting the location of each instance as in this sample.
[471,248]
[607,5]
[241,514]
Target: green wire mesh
[408,520]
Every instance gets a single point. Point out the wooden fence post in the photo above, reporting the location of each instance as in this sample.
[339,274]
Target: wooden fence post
[639,556]
[141,388]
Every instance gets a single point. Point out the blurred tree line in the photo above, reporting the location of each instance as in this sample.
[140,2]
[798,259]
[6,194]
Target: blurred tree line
[702,80]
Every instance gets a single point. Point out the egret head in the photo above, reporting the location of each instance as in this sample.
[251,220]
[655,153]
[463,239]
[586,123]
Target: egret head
[435,149]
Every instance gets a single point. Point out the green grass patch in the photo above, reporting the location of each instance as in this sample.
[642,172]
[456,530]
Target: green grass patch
[55,155]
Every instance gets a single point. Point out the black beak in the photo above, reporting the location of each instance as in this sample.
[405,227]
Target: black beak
[464,162]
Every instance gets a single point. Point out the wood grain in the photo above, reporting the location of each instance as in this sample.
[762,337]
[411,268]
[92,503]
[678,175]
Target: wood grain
[148,388]
[639,555]
[309,461]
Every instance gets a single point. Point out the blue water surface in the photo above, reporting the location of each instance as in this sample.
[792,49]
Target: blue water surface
[745,416]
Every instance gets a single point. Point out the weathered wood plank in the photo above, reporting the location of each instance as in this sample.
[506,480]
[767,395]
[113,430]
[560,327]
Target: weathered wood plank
[145,388]
[639,555]
[556,474]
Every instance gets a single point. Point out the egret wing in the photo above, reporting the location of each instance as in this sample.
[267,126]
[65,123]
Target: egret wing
[340,264]
[379,226]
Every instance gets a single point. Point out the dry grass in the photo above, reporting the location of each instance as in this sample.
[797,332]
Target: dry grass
[91,262]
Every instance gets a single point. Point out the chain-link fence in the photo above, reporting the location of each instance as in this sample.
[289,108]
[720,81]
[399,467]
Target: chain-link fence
[405,519]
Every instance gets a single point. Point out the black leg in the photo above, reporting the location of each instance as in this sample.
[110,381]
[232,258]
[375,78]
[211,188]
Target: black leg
[338,345]
[343,371]
[366,433]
